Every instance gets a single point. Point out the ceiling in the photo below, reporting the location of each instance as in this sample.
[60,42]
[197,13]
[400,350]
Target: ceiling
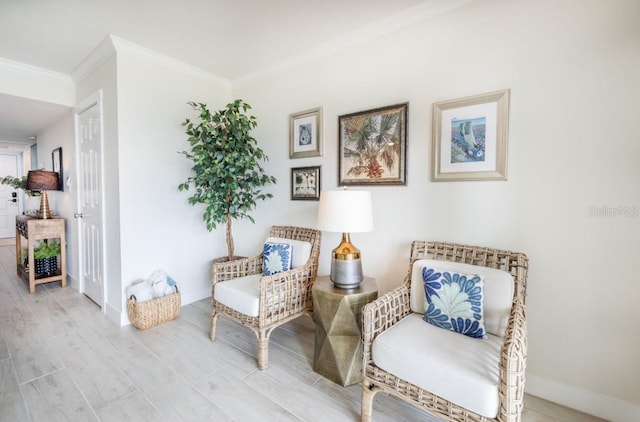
[229,38]
[21,119]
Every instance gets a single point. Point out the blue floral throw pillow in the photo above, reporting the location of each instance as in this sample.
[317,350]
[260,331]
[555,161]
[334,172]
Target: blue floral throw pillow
[454,301]
[276,258]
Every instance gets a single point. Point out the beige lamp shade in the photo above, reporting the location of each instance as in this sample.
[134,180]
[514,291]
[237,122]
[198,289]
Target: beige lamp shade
[345,211]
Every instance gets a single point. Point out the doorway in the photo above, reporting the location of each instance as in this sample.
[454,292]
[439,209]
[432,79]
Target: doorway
[10,198]
[89,140]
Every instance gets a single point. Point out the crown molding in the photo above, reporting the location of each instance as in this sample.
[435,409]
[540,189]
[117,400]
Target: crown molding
[95,59]
[127,47]
[34,71]
[115,45]
[405,18]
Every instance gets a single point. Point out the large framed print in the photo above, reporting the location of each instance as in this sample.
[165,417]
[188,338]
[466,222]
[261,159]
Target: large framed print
[470,138]
[305,133]
[305,183]
[372,146]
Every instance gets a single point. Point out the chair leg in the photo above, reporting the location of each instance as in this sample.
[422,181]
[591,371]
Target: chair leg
[368,392]
[214,325]
[263,348]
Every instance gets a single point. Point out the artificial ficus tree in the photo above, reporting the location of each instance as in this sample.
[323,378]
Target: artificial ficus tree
[227,176]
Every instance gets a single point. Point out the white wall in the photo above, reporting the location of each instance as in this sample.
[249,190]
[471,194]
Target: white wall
[62,134]
[159,229]
[574,73]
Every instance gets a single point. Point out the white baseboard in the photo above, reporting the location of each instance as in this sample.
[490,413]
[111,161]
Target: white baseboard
[191,297]
[73,283]
[116,316]
[606,407]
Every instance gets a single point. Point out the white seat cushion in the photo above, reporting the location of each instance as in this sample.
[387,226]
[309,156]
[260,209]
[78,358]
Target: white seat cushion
[241,294]
[300,253]
[498,291]
[458,368]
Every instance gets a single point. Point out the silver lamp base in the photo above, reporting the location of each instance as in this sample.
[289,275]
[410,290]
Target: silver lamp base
[346,273]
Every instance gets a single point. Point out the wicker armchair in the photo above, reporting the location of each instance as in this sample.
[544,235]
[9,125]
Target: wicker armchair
[278,298]
[391,308]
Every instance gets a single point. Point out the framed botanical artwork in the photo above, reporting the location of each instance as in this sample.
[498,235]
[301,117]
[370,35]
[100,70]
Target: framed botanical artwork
[56,158]
[305,133]
[305,183]
[372,146]
[470,138]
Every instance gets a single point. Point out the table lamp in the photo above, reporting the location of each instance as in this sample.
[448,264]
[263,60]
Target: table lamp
[345,211]
[42,180]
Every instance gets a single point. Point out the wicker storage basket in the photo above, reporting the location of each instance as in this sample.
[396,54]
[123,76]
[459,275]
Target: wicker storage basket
[148,314]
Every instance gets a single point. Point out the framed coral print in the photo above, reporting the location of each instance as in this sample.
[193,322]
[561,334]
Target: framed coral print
[56,158]
[305,183]
[470,138]
[305,133]
[372,146]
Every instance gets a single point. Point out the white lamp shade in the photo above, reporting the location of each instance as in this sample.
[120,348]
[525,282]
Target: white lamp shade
[345,211]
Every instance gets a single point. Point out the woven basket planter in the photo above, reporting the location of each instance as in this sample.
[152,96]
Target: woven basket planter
[144,315]
[46,266]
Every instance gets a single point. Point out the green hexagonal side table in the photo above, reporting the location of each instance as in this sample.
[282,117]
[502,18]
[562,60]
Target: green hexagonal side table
[338,317]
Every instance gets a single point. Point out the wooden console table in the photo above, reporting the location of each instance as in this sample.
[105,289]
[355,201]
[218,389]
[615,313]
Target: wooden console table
[34,229]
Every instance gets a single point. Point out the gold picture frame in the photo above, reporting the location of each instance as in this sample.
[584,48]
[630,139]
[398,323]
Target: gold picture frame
[305,133]
[470,138]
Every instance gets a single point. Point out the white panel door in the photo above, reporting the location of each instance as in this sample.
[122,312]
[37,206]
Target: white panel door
[9,197]
[89,138]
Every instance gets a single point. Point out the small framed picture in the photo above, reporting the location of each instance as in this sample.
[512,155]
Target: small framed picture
[470,138]
[372,147]
[305,133]
[305,183]
[56,158]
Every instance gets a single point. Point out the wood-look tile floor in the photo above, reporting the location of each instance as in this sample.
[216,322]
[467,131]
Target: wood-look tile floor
[62,360]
